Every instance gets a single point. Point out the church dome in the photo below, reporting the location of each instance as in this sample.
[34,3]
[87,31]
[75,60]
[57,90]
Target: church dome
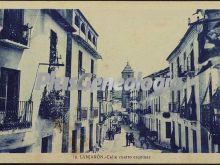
[127,69]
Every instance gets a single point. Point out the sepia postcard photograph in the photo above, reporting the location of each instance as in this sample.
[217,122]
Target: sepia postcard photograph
[109,82]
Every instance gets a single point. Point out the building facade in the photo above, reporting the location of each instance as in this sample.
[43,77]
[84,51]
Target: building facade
[83,120]
[187,117]
[23,56]
[50,41]
[154,109]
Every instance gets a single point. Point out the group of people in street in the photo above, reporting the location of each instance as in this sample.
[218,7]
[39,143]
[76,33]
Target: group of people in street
[144,142]
[95,148]
[129,138]
[111,134]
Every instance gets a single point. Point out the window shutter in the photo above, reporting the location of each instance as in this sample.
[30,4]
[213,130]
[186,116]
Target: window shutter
[1,19]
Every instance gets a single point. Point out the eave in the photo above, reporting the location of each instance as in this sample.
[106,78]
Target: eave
[181,42]
[60,20]
[86,46]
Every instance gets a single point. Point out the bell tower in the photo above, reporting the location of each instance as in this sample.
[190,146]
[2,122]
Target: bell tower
[126,73]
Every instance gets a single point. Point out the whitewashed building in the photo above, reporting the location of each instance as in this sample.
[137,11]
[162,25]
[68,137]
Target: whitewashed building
[191,111]
[42,41]
[83,120]
[30,40]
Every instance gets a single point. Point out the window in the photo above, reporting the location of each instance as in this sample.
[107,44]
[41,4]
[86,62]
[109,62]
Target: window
[184,60]
[53,50]
[90,137]
[159,131]
[193,105]
[168,129]
[89,36]
[174,130]
[172,97]
[178,66]
[83,29]
[192,65]
[82,139]
[79,105]
[187,139]
[9,92]
[178,98]
[171,70]
[94,40]
[180,135]
[187,63]
[194,142]
[13,26]
[13,19]
[77,20]
[46,145]
[159,103]
[74,141]
[185,96]
[92,66]
[80,63]
[91,101]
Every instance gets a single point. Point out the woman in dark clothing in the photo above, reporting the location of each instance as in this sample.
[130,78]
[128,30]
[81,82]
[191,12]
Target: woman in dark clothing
[131,138]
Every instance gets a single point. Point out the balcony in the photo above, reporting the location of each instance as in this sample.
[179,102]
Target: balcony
[145,111]
[190,73]
[16,36]
[82,113]
[174,107]
[18,116]
[93,76]
[94,113]
[100,96]
[81,71]
[186,112]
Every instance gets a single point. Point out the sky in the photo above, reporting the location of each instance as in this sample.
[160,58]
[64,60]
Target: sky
[138,33]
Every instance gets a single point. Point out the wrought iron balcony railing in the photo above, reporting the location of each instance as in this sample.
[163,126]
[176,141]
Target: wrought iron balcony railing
[17,115]
[82,113]
[94,112]
[16,33]
[188,113]
[145,111]
[81,71]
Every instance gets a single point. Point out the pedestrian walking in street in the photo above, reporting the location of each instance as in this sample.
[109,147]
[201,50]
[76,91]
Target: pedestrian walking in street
[127,139]
[95,148]
[131,137]
[147,144]
[108,133]
[142,140]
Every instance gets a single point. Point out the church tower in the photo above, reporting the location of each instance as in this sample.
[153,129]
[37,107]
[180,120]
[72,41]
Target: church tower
[126,73]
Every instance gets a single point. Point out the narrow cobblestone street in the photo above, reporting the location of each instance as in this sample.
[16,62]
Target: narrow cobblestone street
[118,145]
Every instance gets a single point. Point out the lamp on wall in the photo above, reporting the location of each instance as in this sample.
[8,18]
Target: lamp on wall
[39,64]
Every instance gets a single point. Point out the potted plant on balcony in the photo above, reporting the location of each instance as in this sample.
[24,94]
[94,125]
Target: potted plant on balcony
[51,107]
